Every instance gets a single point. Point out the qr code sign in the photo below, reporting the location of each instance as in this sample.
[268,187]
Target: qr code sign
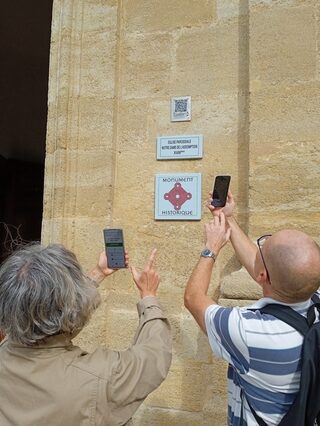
[181,109]
[180,106]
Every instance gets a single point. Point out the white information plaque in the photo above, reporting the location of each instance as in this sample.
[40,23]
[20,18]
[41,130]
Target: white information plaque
[181,108]
[179,147]
[178,196]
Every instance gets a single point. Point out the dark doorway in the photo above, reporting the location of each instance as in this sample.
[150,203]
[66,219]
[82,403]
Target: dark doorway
[25,28]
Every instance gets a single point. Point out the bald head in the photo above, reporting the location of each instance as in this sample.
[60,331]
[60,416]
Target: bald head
[293,262]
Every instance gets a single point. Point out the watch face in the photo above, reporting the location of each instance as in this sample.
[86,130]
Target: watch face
[206,252]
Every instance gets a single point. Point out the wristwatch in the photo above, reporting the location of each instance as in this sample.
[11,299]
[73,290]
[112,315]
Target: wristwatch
[208,253]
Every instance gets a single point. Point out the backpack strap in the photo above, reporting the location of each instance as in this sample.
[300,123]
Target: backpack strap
[288,315]
[291,317]
[311,314]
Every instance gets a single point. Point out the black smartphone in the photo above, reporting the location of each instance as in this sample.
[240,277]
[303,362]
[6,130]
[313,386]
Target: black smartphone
[114,244]
[220,191]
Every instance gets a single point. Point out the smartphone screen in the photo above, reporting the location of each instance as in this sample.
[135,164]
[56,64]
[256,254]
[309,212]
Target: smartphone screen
[220,191]
[114,244]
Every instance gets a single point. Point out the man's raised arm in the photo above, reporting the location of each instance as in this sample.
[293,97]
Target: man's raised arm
[245,250]
[196,299]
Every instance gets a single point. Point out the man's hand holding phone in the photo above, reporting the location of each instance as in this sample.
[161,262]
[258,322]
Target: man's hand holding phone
[227,210]
[216,233]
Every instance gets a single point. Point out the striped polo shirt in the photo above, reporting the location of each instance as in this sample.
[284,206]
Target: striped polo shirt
[263,353]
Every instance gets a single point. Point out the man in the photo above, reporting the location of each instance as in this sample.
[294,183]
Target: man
[263,352]
[45,300]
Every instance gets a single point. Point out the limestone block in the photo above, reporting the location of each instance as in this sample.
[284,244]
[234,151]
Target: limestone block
[289,114]
[99,15]
[66,202]
[239,285]
[115,321]
[122,325]
[82,16]
[192,343]
[262,221]
[119,297]
[208,60]
[214,407]
[153,15]
[134,127]
[85,237]
[216,372]
[175,392]
[285,195]
[170,293]
[90,126]
[96,121]
[55,170]
[98,61]
[124,292]
[155,416]
[91,201]
[57,125]
[231,8]
[146,65]
[86,65]
[62,20]
[215,410]
[66,63]
[218,118]
[52,231]
[215,401]
[113,328]
[277,50]
[88,168]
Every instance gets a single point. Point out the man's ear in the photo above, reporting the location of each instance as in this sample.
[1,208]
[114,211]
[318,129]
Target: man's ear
[263,277]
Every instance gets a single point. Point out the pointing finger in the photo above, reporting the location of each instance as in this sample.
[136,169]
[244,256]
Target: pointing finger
[151,260]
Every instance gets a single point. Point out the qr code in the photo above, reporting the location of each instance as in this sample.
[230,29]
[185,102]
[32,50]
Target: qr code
[180,106]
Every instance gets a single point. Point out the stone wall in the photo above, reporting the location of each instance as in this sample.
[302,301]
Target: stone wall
[252,69]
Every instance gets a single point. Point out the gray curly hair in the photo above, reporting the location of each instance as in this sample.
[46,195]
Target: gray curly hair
[43,291]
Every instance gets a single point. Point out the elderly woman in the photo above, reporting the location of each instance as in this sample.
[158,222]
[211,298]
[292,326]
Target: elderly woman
[45,300]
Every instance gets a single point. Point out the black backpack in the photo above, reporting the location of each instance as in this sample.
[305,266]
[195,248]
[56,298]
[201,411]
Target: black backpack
[305,410]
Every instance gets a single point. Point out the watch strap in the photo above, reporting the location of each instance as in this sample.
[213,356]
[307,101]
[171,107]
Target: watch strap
[208,253]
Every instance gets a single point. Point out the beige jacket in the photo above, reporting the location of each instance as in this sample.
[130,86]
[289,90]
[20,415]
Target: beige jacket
[58,384]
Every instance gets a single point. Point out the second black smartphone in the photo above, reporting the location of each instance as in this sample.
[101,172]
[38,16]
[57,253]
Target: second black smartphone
[114,244]
[220,191]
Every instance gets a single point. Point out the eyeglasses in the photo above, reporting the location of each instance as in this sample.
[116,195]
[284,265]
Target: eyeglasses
[260,242]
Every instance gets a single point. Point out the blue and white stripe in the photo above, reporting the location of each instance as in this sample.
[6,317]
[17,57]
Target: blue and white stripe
[264,359]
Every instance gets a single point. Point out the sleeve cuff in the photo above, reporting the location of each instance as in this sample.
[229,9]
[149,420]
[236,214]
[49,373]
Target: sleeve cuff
[147,302]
